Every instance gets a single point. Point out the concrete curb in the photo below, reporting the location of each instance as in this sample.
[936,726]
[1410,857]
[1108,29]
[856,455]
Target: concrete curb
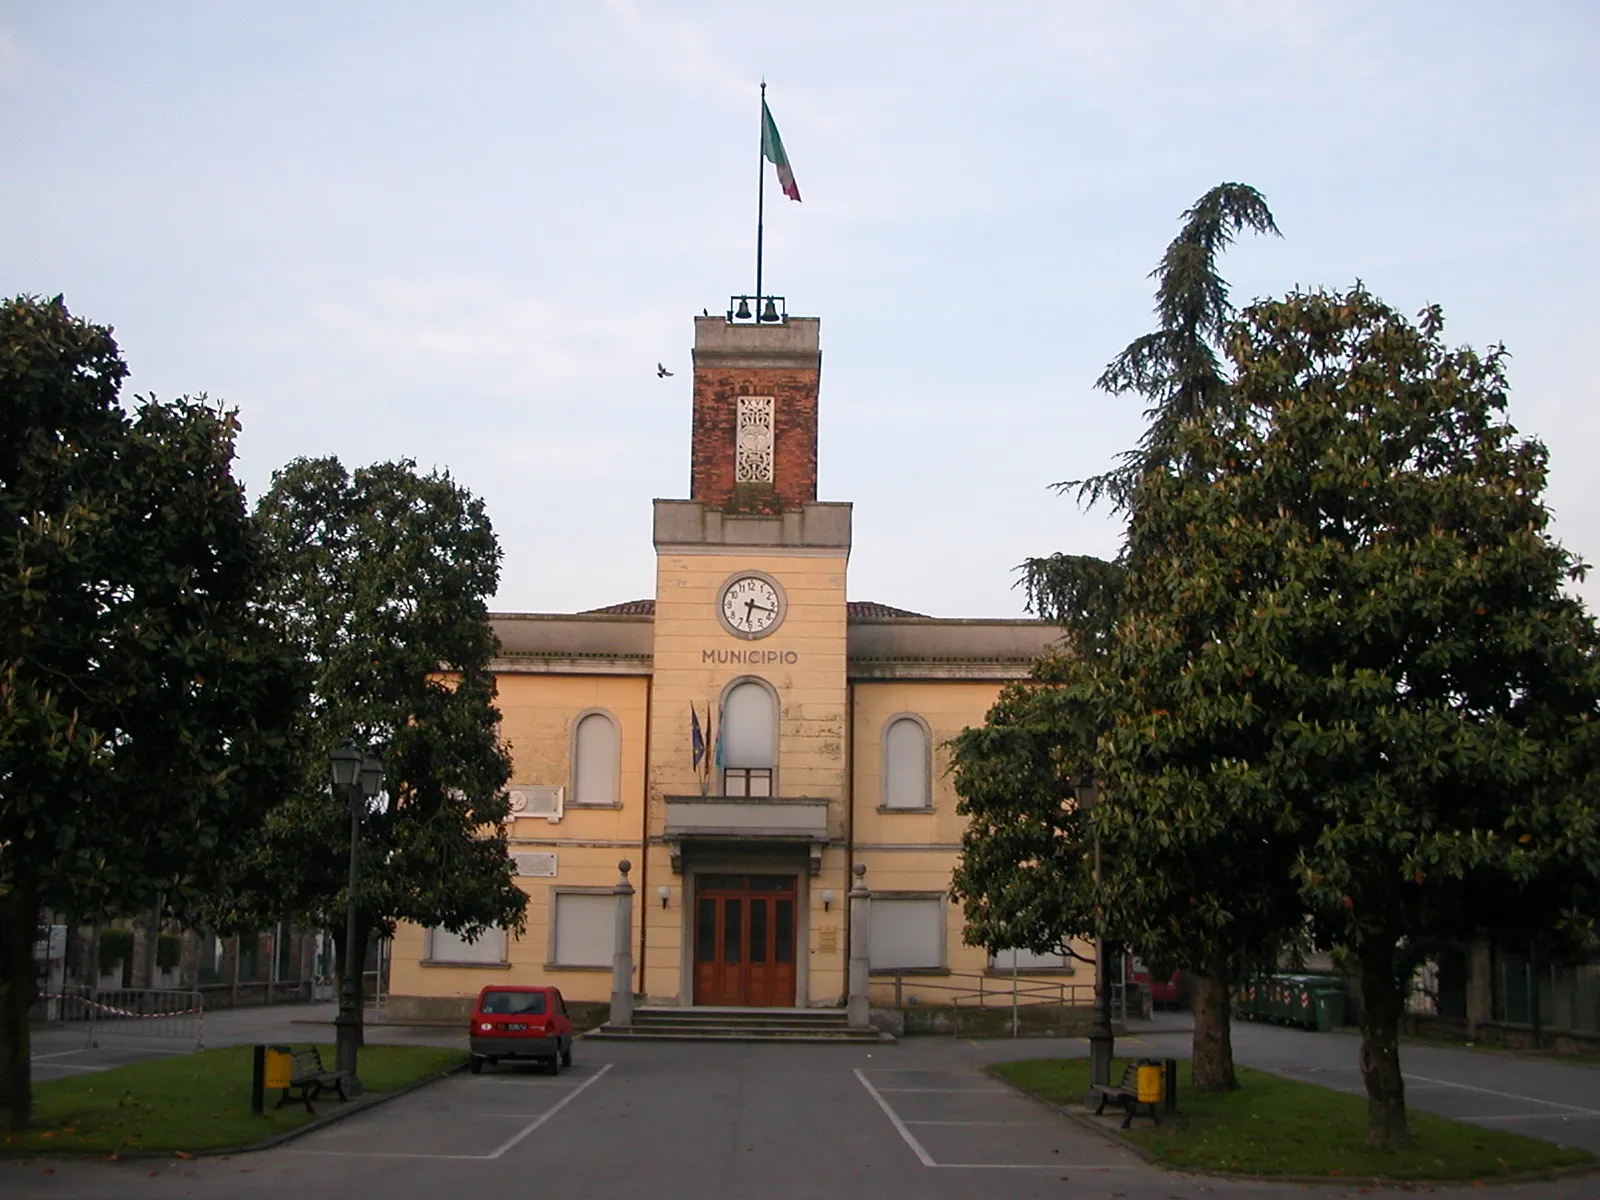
[1088,1121]
[350,1109]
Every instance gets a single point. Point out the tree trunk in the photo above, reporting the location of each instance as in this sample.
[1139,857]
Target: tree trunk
[19,918]
[1212,1056]
[1380,1046]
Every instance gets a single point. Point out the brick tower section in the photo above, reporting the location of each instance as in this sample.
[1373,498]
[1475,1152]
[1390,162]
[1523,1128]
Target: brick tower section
[783,361]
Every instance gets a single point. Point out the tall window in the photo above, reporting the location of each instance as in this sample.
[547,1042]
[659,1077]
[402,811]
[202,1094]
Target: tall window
[905,764]
[595,748]
[749,740]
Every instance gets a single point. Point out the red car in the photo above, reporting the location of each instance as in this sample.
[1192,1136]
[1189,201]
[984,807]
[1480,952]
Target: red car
[520,1022]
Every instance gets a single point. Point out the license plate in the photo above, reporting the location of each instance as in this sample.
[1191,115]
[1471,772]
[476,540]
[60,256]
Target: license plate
[514,1027]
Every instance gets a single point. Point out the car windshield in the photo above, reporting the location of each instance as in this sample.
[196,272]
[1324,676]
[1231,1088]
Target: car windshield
[511,1003]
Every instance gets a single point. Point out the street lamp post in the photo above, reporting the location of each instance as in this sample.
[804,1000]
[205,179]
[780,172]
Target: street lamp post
[1102,1041]
[358,778]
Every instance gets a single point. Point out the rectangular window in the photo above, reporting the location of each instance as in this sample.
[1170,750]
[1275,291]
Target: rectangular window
[489,949]
[747,781]
[585,929]
[907,933]
[1027,960]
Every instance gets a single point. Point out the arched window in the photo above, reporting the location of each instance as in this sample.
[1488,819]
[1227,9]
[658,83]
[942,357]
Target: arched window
[749,739]
[905,764]
[595,751]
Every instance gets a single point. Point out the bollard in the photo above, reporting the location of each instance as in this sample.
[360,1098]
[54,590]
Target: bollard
[258,1081]
[1169,1093]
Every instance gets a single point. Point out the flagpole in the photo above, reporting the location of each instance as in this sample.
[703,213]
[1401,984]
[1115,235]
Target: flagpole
[761,194]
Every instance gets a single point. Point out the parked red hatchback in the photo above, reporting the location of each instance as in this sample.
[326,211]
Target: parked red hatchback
[520,1022]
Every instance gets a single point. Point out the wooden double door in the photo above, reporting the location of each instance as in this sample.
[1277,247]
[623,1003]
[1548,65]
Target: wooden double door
[744,940]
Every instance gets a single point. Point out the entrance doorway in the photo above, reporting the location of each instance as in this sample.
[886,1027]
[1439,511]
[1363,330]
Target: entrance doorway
[744,940]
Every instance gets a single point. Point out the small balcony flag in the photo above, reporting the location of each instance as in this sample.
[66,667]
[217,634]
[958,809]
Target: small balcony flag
[772,150]
[697,741]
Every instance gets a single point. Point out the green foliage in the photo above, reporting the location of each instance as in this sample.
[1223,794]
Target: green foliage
[116,946]
[169,951]
[1025,877]
[381,583]
[143,702]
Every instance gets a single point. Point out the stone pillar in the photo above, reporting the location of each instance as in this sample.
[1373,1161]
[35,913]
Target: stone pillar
[860,949]
[622,956]
[1480,988]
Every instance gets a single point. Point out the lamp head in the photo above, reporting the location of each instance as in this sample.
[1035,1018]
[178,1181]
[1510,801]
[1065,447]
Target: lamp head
[344,764]
[1088,790]
[371,776]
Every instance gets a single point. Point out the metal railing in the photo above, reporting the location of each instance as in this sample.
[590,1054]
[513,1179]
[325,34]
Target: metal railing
[985,991]
[133,1012]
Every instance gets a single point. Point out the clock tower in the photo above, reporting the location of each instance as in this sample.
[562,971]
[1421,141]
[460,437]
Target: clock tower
[750,649]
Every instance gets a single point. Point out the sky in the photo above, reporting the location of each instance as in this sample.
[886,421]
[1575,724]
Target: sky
[466,234]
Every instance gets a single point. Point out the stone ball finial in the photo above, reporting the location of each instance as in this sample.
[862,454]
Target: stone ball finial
[624,866]
[860,869]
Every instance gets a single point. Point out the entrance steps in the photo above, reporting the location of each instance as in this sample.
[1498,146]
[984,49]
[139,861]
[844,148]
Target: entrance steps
[660,1024]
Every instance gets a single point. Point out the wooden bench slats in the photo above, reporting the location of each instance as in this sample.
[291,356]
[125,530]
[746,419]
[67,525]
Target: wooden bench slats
[311,1078]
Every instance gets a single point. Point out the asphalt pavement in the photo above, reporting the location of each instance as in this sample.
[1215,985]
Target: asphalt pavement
[915,1121]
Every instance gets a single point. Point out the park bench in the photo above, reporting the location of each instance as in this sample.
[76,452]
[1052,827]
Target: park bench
[1124,1094]
[311,1079]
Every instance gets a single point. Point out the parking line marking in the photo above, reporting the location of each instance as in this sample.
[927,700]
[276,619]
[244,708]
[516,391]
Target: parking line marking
[493,1154]
[1467,1087]
[944,1091]
[923,1156]
[565,1100]
[1061,1166]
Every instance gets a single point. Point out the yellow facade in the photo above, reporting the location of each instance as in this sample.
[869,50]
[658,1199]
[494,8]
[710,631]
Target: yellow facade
[742,874]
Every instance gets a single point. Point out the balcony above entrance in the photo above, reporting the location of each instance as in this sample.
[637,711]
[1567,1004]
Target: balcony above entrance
[767,820]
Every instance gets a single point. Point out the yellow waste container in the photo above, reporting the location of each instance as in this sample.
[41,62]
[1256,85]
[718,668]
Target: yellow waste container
[278,1069]
[1149,1082]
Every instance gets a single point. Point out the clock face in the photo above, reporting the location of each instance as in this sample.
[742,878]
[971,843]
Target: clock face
[751,606]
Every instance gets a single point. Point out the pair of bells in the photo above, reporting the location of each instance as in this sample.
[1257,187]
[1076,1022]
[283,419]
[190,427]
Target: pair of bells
[769,311]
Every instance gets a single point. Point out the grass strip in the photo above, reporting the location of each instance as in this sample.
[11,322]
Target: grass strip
[1275,1126]
[186,1103]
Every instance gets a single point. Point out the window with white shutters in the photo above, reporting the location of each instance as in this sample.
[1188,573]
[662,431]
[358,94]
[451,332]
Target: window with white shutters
[488,949]
[596,750]
[905,764]
[907,933]
[1026,960]
[583,929]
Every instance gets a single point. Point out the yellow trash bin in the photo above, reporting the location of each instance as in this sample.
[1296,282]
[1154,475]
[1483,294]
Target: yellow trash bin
[278,1069]
[1149,1082]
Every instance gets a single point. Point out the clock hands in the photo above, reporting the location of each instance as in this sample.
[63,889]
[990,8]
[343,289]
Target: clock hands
[749,612]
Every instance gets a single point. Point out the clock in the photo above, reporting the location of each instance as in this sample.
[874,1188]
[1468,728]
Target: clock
[751,605]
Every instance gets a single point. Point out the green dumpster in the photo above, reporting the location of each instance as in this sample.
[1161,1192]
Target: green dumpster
[1329,1000]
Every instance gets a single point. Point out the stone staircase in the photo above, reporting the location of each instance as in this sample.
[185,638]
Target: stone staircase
[739,1025]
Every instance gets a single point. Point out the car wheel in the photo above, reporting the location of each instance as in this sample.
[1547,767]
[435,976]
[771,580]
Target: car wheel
[566,1055]
[555,1062]
[475,1065]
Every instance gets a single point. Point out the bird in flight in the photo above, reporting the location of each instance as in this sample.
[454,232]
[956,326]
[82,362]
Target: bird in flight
[662,372]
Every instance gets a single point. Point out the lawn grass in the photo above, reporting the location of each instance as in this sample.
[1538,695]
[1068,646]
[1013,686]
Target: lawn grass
[187,1103]
[1275,1126]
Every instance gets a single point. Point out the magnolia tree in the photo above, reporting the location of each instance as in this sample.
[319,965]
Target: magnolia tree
[145,704]
[1348,641]
[380,583]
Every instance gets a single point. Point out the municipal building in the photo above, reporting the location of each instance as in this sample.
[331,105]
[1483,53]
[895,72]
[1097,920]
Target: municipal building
[820,724]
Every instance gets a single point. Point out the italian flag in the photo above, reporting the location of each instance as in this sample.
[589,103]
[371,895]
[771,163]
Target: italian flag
[772,150]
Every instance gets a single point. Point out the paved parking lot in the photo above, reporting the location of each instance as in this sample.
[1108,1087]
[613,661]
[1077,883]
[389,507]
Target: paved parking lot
[696,1121]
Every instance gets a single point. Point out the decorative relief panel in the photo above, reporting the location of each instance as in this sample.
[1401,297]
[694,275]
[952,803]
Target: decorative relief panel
[753,441]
